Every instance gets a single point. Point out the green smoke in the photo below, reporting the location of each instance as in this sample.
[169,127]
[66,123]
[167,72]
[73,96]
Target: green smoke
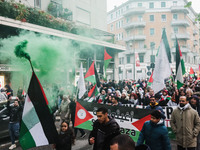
[53,60]
[20,50]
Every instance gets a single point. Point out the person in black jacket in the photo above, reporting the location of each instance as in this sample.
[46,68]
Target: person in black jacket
[65,138]
[104,130]
[15,113]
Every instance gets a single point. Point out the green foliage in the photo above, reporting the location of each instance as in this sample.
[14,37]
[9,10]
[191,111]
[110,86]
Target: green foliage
[189,4]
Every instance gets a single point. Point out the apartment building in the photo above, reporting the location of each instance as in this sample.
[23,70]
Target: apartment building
[138,25]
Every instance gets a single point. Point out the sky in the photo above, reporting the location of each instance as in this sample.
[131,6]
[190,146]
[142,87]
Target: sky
[112,3]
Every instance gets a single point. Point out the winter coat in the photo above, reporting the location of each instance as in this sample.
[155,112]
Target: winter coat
[15,112]
[155,136]
[104,133]
[64,110]
[65,140]
[185,123]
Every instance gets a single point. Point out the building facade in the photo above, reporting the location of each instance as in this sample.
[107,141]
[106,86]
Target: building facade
[138,25]
[82,12]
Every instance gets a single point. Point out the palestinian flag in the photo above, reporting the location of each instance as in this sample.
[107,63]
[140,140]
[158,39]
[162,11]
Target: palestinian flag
[23,93]
[198,73]
[131,124]
[92,75]
[150,80]
[37,125]
[191,72]
[180,67]
[93,92]
[107,59]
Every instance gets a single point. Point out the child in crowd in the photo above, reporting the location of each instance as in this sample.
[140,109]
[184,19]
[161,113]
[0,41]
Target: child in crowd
[65,138]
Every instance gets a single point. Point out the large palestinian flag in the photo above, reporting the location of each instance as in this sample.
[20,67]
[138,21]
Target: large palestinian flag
[37,126]
[180,67]
[130,120]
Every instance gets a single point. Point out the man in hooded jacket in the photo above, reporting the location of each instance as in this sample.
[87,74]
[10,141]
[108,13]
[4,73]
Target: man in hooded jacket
[185,123]
[104,130]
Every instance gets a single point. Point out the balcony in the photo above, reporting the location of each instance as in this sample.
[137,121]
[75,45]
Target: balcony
[195,43]
[195,32]
[180,23]
[179,9]
[184,49]
[133,11]
[136,38]
[134,25]
[180,36]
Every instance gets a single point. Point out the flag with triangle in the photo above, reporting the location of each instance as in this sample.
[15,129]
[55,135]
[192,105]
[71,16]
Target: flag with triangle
[93,92]
[90,75]
[37,125]
[162,67]
[107,59]
[82,116]
[150,80]
[23,93]
[180,66]
[129,119]
[81,84]
[191,72]
[198,73]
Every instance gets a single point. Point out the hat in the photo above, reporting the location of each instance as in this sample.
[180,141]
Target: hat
[165,91]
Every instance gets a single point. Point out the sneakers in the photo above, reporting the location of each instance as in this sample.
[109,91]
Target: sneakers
[12,146]
[82,136]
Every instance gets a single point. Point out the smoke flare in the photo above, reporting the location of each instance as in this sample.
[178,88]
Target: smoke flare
[20,50]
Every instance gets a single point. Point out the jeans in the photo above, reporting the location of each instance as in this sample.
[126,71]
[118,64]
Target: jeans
[189,148]
[13,131]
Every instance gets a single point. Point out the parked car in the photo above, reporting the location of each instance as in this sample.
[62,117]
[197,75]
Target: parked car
[4,120]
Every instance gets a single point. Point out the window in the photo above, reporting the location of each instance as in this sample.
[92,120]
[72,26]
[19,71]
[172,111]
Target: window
[128,59]
[127,20]
[116,25]
[119,24]
[152,31]
[139,4]
[141,58]
[140,31]
[111,16]
[151,17]
[175,16]
[122,35]
[152,45]
[122,22]
[174,3]
[151,5]
[163,17]
[37,3]
[163,4]
[164,29]
[127,7]
[141,44]
[111,27]
[140,18]
[175,29]
[122,60]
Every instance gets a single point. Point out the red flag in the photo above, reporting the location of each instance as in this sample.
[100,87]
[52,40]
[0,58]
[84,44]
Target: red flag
[82,115]
[139,124]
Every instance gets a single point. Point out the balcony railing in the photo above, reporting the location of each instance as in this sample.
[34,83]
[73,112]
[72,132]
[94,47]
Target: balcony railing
[178,9]
[134,25]
[180,23]
[180,36]
[133,11]
[195,32]
[136,38]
